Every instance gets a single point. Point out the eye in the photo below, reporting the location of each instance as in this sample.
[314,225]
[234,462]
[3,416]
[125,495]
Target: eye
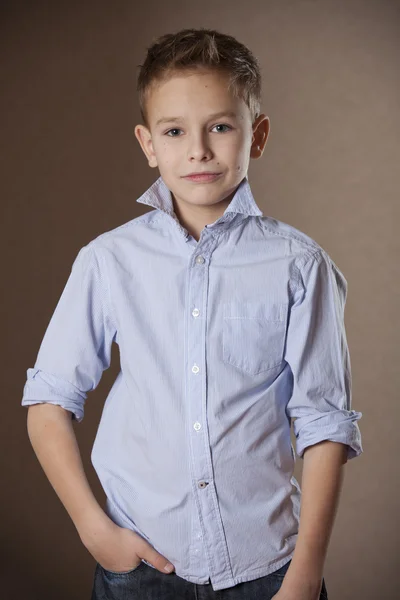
[175,129]
[169,132]
[223,125]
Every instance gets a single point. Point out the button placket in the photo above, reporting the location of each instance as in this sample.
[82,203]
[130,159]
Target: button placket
[199,260]
[206,502]
[198,280]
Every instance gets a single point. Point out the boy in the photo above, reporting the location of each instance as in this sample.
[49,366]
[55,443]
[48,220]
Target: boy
[229,324]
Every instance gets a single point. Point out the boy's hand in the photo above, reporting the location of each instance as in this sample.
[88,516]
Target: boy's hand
[119,549]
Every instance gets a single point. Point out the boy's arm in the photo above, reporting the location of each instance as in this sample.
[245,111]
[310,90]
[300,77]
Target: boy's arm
[76,347]
[325,426]
[53,439]
[321,484]
[319,359]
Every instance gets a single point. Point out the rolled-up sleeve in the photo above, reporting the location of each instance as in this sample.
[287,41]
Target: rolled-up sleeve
[76,347]
[318,355]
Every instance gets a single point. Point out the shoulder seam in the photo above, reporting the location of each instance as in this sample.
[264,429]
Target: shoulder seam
[311,255]
[304,243]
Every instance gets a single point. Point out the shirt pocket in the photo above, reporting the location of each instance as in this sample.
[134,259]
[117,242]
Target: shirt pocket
[253,336]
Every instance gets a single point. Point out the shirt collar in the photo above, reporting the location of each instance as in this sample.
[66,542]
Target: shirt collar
[159,196]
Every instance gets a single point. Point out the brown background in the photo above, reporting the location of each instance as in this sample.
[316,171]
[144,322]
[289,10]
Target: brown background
[71,168]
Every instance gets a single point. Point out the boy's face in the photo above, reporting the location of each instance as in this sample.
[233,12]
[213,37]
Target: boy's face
[195,140]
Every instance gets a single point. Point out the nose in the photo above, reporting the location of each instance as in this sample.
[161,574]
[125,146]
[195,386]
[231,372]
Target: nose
[199,148]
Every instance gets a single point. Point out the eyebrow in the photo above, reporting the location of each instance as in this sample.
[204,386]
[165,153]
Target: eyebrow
[218,115]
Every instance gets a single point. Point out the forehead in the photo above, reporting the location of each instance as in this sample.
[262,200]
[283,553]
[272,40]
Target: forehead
[192,93]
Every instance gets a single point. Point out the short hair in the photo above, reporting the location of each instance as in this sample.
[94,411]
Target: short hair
[191,49]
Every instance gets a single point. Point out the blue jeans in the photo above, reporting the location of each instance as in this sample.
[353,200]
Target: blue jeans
[146,583]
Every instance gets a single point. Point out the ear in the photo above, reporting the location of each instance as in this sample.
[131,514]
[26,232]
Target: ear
[260,135]
[143,136]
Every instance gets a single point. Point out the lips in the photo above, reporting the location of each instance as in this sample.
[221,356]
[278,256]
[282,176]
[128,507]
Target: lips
[202,177]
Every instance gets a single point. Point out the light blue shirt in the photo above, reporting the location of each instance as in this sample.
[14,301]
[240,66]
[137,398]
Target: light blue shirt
[222,342]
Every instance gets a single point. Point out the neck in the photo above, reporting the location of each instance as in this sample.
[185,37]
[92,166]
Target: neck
[194,218]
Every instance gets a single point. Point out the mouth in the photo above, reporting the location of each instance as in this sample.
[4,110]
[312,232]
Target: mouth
[202,177]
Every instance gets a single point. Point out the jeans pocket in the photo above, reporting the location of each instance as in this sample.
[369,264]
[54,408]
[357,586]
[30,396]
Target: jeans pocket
[114,574]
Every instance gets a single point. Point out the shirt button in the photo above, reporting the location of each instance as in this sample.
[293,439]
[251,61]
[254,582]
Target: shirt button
[202,484]
[195,369]
[195,312]
[199,259]
[197,426]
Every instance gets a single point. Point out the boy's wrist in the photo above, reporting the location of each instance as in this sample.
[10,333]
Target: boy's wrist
[93,523]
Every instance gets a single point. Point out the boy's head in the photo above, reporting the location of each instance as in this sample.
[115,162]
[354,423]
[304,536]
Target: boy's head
[200,95]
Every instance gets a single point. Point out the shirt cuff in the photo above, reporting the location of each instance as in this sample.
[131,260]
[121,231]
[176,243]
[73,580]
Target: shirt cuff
[337,426]
[42,387]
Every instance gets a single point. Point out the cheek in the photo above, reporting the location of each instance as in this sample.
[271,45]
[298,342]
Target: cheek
[165,153]
[169,148]
[235,147]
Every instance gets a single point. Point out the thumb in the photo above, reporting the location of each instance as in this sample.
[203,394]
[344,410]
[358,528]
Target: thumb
[158,560]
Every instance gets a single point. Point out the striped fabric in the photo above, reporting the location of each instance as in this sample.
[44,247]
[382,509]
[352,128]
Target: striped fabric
[222,342]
